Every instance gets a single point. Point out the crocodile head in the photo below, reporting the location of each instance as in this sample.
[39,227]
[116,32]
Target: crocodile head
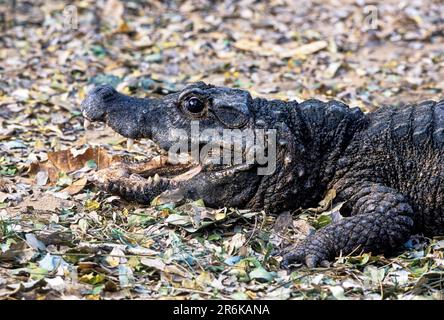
[205,130]
[229,149]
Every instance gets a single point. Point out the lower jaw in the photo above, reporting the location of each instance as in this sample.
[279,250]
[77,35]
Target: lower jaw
[161,166]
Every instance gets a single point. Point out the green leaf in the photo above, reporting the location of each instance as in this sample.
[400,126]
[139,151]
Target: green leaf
[98,51]
[360,260]
[8,170]
[375,275]
[419,271]
[91,164]
[214,237]
[109,79]
[199,203]
[92,278]
[178,220]
[64,179]
[83,225]
[322,221]
[239,296]
[126,277]
[337,292]
[168,206]
[155,57]
[253,261]
[98,289]
[140,220]
[262,275]
[38,273]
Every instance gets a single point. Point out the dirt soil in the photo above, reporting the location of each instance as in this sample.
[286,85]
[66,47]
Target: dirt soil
[61,238]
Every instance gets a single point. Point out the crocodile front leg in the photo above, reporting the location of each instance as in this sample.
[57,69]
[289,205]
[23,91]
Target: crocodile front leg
[381,221]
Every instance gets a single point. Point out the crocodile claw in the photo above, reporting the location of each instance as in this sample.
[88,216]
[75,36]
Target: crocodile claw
[306,255]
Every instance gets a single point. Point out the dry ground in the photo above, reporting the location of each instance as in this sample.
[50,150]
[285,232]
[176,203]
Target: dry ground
[61,238]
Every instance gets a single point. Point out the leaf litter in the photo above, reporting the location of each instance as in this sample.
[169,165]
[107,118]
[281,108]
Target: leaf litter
[61,238]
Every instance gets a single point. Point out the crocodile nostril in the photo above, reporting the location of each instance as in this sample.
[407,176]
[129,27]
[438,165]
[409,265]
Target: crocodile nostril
[104,92]
[97,89]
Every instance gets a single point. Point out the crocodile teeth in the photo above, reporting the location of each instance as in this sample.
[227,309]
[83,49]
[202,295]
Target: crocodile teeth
[86,124]
[129,144]
[156,178]
[150,180]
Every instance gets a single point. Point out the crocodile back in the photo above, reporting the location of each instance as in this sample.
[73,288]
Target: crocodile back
[420,125]
[402,148]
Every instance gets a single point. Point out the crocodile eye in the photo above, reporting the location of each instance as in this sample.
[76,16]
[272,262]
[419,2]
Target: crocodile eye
[194,105]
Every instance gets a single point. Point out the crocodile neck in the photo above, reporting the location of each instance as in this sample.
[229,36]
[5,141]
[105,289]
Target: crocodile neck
[313,135]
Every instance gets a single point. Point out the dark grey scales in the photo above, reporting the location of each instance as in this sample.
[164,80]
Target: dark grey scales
[387,165]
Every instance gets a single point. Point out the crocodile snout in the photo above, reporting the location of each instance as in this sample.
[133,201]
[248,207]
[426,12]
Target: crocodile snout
[98,100]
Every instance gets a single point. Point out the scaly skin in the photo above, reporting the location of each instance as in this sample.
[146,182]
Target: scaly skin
[386,166]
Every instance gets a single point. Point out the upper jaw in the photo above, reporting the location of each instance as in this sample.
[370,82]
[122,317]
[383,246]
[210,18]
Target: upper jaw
[98,100]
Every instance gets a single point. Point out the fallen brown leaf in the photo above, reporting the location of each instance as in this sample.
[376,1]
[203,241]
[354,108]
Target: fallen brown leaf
[66,161]
[76,186]
[305,49]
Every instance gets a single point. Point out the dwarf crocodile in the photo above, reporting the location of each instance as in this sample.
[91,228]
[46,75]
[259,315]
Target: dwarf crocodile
[385,166]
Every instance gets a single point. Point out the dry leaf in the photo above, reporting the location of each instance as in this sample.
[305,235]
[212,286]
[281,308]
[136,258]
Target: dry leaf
[155,263]
[304,50]
[76,186]
[66,161]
